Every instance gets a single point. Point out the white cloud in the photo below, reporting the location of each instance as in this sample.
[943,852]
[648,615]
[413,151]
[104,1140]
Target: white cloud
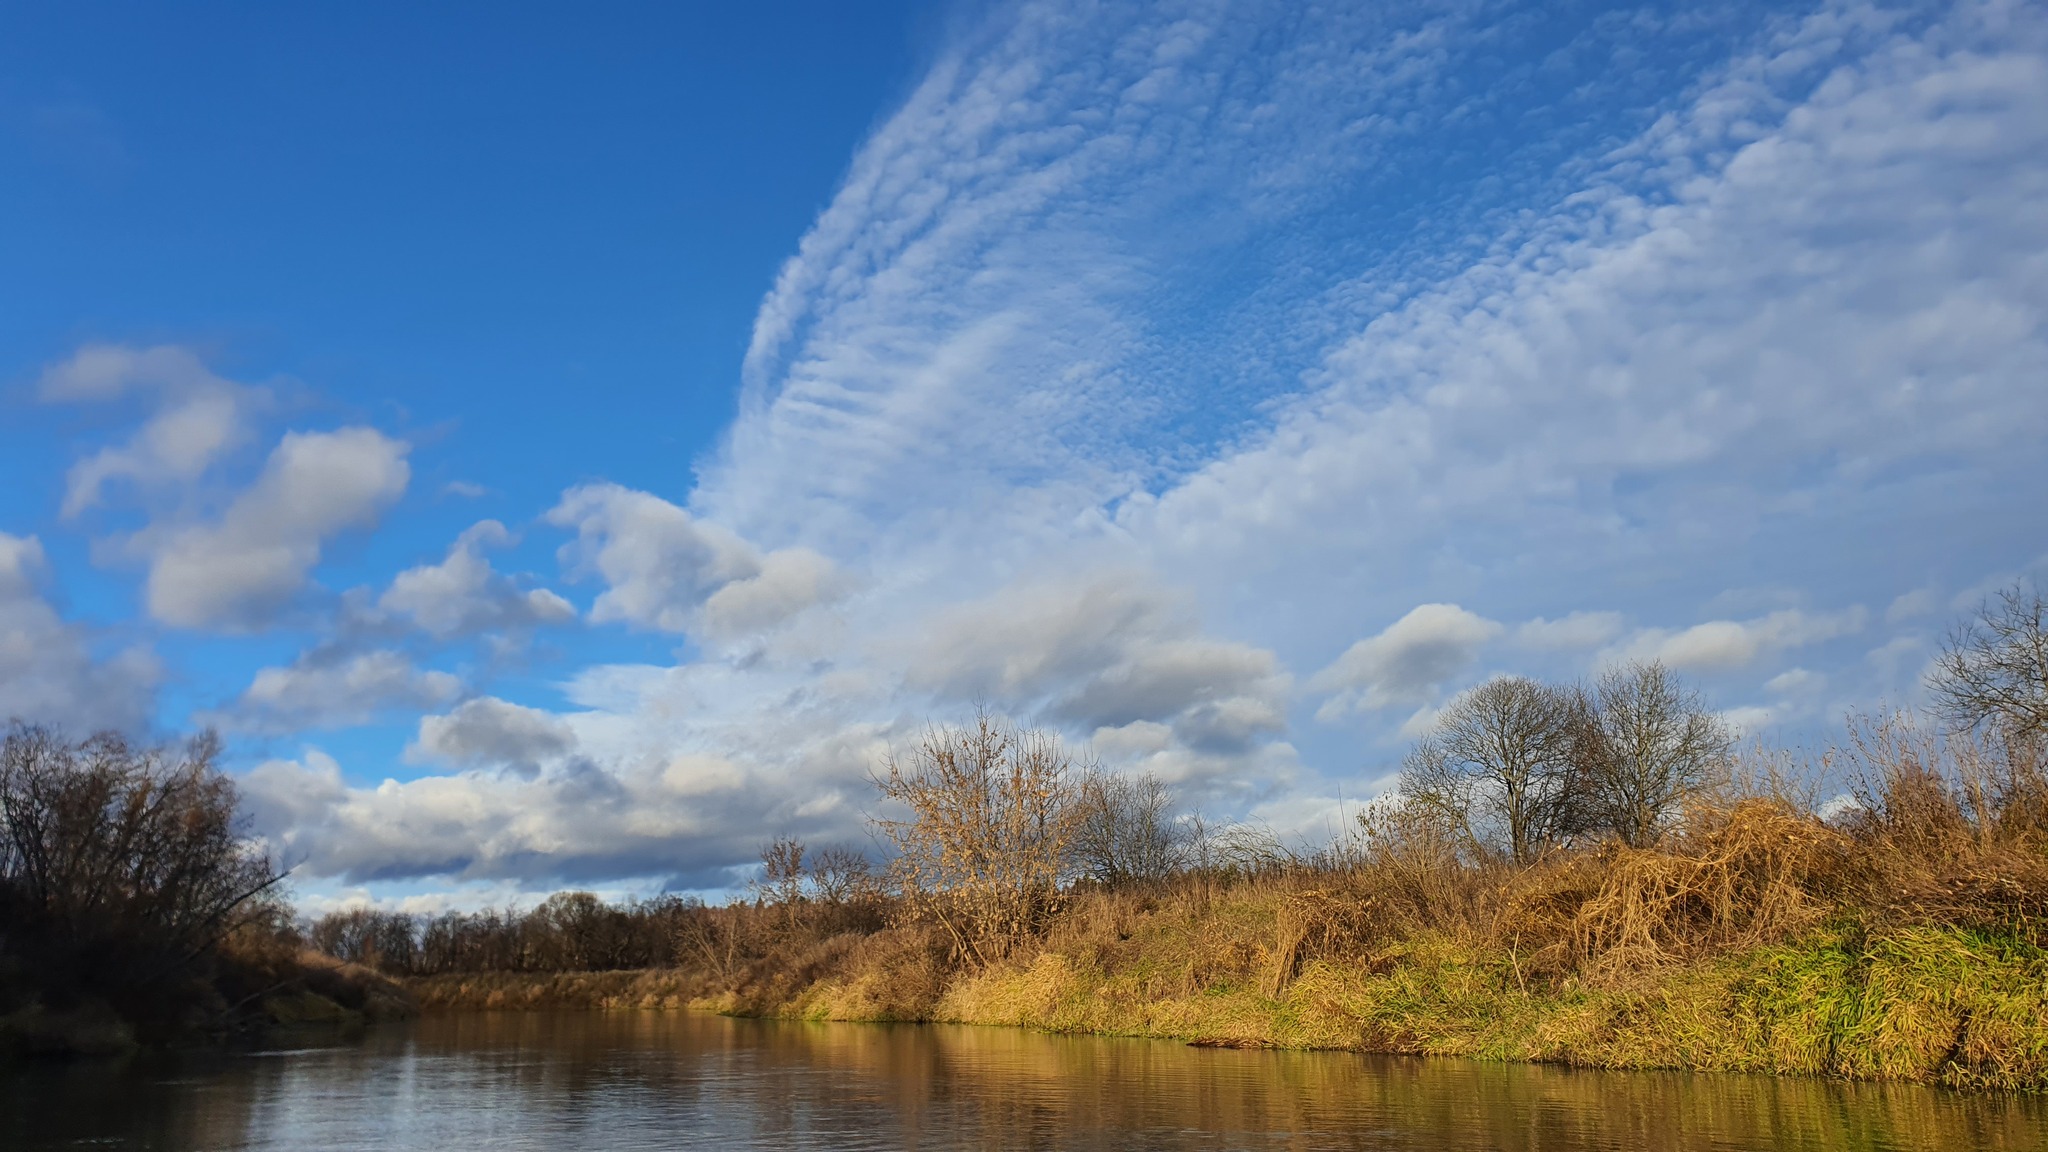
[489,732]
[1405,663]
[199,416]
[1103,652]
[326,690]
[1748,721]
[1720,645]
[1911,605]
[1801,298]
[1796,682]
[1573,631]
[1805,304]
[788,582]
[238,571]
[48,674]
[464,595]
[573,821]
[668,570]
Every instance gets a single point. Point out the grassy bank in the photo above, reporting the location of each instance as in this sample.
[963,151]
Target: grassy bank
[1903,937]
[1757,945]
[1948,1006]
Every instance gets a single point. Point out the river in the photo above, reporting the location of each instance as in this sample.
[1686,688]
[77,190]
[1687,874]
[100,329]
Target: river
[652,1080]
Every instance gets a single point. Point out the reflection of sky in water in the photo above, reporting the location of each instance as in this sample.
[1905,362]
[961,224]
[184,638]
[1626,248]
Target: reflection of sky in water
[671,1080]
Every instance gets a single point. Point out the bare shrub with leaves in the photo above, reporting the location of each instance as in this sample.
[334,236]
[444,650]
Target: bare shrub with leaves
[992,815]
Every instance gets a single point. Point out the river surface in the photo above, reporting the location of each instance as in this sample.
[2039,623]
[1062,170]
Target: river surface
[648,1080]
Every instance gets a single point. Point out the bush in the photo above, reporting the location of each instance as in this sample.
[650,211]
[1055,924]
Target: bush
[121,869]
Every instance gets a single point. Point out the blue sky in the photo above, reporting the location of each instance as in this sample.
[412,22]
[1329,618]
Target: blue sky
[570,449]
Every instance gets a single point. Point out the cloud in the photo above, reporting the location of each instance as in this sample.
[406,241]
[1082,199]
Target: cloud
[1748,721]
[1796,682]
[325,690]
[788,582]
[1573,631]
[1405,663]
[1909,605]
[489,732]
[1103,652]
[463,595]
[48,673]
[1721,645]
[1802,303]
[240,570]
[1222,300]
[670,571]
[684,820]
[199,416]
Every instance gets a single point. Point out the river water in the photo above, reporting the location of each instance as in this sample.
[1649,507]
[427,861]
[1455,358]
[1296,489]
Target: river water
[649,1080]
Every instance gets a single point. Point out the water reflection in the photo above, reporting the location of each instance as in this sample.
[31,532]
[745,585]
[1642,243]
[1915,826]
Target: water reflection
[673,1080]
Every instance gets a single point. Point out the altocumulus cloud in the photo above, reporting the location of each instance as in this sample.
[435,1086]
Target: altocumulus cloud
[1707,349]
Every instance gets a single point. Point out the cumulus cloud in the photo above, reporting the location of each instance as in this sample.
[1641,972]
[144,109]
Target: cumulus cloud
[464,595]
[571,822]
[1573,631]
[330,690]
[667,570]
[199,416]
[48,673]
[1405,663]
[489,732]
[1103,653]
[1721,645]
[239,570]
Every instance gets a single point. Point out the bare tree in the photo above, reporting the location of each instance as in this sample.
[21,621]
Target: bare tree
[1993,671]
[782,878]
[1497,767]
[992,815]
[843,876]
[1646,744]
[1126,833]
[120,866]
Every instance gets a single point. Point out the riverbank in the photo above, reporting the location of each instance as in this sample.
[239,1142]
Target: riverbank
[253,993]
[1959,1007]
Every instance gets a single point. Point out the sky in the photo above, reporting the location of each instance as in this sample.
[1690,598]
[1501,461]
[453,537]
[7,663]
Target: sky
[569,447]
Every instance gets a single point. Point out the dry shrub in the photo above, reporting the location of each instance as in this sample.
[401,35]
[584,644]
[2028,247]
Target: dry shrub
[1740,877]
[1320,924]
[1412,870]
[1950,829]
[993,811]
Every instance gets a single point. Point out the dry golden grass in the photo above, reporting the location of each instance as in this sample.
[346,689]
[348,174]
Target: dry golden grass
[1903,942]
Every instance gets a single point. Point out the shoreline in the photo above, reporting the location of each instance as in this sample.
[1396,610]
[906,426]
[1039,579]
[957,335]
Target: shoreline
[1959,1009]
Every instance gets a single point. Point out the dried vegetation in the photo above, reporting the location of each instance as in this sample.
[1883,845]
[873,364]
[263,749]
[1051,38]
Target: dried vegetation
[1584,876]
